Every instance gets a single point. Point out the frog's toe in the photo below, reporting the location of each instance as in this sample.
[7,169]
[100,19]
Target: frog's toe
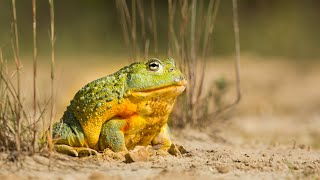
[65,149]
[84,152]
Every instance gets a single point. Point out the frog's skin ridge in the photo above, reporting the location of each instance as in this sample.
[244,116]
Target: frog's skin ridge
[128,108]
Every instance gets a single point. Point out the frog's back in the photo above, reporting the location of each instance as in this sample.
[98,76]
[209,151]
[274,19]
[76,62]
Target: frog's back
[102,92]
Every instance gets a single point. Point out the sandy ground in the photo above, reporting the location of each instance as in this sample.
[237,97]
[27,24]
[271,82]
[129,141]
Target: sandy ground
[206,158]
[273,134]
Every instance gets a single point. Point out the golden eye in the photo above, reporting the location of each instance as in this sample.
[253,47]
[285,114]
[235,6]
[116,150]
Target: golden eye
[154,65]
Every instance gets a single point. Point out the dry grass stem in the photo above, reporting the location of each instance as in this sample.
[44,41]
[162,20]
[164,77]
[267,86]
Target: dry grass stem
[52,40]
[237,48]
[1,61]
[138,38]
[122,7]
[34,15]
[134,29]
[140,9]
[15,45]
[237,62]
[154,27]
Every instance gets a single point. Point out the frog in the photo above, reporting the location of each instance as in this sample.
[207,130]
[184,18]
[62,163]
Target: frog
[128,108]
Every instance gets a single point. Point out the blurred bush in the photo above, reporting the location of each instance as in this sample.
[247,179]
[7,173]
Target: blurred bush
[267,27]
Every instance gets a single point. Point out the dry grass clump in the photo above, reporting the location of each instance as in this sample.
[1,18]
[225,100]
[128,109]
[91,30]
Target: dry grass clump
[15,127]
[14,123]
[19,129]
[189,38]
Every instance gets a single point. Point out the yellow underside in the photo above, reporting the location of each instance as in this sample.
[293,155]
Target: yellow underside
[146,113]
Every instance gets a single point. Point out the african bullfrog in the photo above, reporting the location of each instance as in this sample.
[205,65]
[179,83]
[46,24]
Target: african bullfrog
[128,108]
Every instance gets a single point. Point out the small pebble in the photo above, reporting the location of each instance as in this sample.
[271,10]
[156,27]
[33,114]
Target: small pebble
[222,169]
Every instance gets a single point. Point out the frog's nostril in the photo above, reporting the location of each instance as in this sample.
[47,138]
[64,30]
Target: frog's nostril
[171,69]
[178,79]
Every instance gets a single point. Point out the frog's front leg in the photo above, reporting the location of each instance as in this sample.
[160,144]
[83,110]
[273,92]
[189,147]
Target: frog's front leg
[112,135]
[162,140]
[69,139]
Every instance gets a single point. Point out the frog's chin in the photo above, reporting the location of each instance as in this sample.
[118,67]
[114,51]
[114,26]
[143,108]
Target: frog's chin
[172,90]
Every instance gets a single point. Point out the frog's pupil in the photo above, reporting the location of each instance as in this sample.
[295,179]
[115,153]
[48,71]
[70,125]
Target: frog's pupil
[153,66]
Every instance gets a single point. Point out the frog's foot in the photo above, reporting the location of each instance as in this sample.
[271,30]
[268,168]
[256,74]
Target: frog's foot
[74,151]
[83,151]
[162,140]
[65,149]
[112,136]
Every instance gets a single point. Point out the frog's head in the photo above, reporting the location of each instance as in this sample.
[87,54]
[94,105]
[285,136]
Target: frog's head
[155,75]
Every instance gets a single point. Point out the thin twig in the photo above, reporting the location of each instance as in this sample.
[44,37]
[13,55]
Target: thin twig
[199,25]
[1,60]
[209,26]
[170,27]
[193,59]
[52,39]
[34,14]
[126,12]
[18,64]
[13,93]
[42,111]
[134,29]
[237,61]
[193,30]
[237,47]
[154,27]
[145,42]
[125,22]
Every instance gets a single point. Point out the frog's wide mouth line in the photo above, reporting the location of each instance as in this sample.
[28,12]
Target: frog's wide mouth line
[179,86]
[172,87]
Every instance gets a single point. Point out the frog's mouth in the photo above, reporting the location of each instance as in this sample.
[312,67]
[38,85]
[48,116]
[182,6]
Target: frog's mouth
[175,89]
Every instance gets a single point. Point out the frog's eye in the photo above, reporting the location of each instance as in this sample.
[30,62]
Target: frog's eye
[154,65]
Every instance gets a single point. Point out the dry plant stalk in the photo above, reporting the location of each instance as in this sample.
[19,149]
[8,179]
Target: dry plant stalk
[237,61]
[125,21]
[134,28]
[191,50]
[15,45]
[140,9]
[154,27]
[34,15]
[237,48]
[52,40]
[138,43]
[1,60]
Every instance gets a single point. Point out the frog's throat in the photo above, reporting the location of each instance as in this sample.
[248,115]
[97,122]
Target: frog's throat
[176,89]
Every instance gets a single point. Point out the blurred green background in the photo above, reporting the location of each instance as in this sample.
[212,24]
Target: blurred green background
[287,28]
